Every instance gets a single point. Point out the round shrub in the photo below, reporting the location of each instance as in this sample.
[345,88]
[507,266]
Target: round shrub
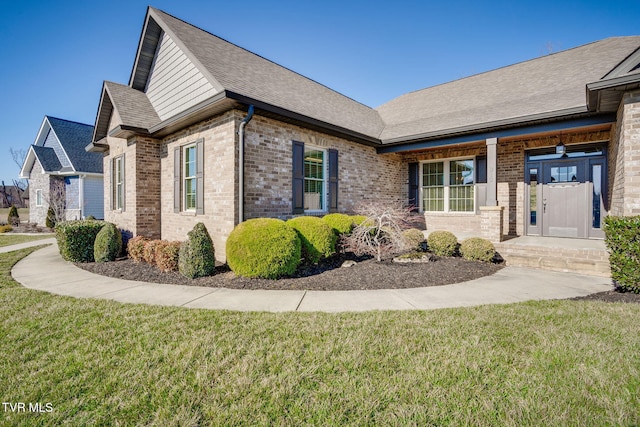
[263,247]
[442,243]
[90,218]
[358,219]
[167,255]
[108,243]
[76,239]
[135,247]
[340,223]
[316,237]
[13,218]
[414,238]
[477,249]
[197,257]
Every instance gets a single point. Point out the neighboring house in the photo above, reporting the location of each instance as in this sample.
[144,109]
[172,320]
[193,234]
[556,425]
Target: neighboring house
[207,131]
[61,173]
[11,195]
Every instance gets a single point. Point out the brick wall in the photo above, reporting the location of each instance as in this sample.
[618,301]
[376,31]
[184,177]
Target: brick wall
[220,181]
[38,181]
[624,158]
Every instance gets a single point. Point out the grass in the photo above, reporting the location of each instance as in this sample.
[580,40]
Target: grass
[99,362]
[13,239]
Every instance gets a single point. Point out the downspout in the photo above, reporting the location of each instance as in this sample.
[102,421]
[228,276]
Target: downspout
[243,123]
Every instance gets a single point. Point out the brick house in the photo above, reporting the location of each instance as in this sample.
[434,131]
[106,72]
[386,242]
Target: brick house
[62,173]
[206,131]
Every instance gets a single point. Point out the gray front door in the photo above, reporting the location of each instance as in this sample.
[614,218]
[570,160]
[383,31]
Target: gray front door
[565,199]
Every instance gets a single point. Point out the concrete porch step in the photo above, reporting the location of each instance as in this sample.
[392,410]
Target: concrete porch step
[557,254]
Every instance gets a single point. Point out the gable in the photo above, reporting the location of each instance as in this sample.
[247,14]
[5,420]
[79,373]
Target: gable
[51,141]
[175,83]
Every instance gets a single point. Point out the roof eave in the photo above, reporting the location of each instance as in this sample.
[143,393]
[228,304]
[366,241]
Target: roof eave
[619,84]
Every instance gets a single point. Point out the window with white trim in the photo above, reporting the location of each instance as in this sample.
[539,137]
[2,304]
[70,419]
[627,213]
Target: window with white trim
[118,183]
[189,178]
[38,197]
[315,179]
[448,186]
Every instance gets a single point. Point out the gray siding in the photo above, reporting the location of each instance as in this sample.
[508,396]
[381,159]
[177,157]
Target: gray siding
[72,191]
[52,142]
[175,84]
[94,197]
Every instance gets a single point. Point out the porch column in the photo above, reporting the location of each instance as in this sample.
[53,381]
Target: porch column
[492,172]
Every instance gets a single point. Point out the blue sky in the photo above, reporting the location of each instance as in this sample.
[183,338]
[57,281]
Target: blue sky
[57,53]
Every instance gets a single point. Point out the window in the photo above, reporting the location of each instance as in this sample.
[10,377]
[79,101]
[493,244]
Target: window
[448,186]
[118,194]
[38,197]
[189,178]
[314,179]
[188,173]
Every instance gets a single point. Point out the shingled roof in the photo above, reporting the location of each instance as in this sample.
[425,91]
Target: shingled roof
[549,86]
[47,158]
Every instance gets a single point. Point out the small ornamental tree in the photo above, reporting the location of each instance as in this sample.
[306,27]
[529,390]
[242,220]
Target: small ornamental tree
[13,218]
[197,256]
[381,234]
[50,221]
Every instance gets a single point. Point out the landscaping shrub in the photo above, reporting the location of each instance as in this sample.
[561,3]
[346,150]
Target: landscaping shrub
[90,218]
[167,255]
[50,221]
[316,237]
[13,218]
[477,249]
[358,219]
[414,238]
[108,244]
[442,243]
[149,251]
[263,247]
[197,256]
[340,223]
[622,237]
[135,247]
[5,228]
[76,239]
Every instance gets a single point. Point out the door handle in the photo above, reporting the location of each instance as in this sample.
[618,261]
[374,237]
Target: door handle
[544,205]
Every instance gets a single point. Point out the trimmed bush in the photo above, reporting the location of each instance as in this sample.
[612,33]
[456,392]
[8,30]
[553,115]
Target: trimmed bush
[90,218]
[5,228]
[340,223]
[197,256]
[13,218]
[414,238]
[358,219]
[167,255]
[316,237]
[149,251]
[135,248]
[108,244]
[263,247]
[622,237]
[76,239]
[442,243]
[477,249]
[50,221]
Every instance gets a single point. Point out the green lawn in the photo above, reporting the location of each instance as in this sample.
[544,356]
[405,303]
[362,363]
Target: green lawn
[13,239]
[98,362]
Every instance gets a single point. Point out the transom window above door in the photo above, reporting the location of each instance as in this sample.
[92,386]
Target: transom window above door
[448,186]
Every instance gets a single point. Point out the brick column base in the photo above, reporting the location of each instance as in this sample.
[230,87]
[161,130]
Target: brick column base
[491,223]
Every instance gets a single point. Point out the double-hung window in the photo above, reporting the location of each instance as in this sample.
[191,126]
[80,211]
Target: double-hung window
[118,183]
[314,179]
[448,186]
[38,197]
[188,178]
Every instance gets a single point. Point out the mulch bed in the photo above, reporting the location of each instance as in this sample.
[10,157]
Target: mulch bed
[329,275]
[365,274]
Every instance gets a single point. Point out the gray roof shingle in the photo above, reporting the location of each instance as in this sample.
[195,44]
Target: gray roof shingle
[74,137]
[133,106]
[550,84]
[47,158]
[251,75]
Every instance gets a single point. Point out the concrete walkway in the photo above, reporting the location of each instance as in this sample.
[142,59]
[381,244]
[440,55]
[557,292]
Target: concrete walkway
[45,270]
[18,246]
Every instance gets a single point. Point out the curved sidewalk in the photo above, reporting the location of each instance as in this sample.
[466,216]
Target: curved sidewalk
[45,270]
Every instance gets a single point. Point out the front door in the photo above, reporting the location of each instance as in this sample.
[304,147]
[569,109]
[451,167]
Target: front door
[565,194]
